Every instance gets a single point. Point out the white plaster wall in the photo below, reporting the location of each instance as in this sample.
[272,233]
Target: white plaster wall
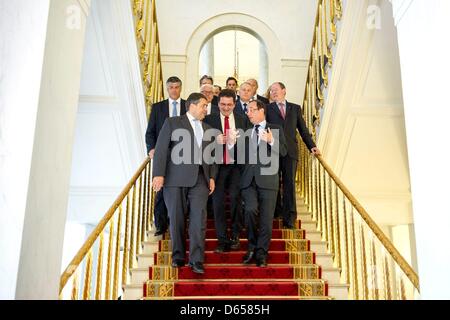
[20,72]
[422,30]
[285,28]
[48,189]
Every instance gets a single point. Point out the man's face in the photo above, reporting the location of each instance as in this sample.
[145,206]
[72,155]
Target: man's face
[277,93]
[199,110]
[226,106]
[254,85]
[206,81]
[246,92]
[216,91]
[174,90]
[254,115]
[232,85]
[208,93]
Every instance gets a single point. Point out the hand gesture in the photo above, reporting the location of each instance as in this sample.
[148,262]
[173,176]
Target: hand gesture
[266,136]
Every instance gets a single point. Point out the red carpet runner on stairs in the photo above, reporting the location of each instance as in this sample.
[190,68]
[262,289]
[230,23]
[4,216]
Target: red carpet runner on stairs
[291,273]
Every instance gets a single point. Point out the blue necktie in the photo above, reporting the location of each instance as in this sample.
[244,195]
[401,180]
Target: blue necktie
[245,108]
[174,110]
[198,132]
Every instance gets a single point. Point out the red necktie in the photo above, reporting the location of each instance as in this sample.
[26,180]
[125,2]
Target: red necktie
[282,110]
[226,129]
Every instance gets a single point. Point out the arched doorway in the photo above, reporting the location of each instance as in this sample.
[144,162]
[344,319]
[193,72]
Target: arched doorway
[226,22]
[234,52]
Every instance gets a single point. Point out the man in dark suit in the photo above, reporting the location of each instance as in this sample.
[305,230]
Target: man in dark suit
[289,117]
[255,94]
[187,178]
[172,107]
[264,144]
[228,177]
[245,95]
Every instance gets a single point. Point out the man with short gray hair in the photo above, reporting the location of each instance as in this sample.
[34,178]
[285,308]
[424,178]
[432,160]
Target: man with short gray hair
[174,106]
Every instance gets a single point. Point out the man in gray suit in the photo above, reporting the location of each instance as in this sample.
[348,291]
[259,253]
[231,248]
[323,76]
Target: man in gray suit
[188,179]
[259,180]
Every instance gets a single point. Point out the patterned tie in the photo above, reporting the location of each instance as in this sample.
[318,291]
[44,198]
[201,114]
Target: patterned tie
[245,108]
[283,111]
[174,109]
[198,132]
[226,130]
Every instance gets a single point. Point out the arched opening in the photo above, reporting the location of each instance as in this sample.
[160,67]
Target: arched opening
[234,52]
[226,22]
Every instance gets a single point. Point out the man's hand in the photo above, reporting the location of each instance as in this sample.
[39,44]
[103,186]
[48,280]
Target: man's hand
[221,139]
[316,152]
[158,183]
[212,186]
[232,137]
[151,154]
[266,136]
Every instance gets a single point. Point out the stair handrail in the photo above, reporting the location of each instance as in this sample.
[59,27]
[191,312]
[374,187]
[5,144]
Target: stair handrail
[315,184]
[125,242]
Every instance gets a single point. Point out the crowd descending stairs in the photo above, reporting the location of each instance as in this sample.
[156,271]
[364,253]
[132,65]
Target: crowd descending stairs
[299,267]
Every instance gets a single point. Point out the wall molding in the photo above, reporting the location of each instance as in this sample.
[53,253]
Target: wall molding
[173,58]
[294,63]
[98,99]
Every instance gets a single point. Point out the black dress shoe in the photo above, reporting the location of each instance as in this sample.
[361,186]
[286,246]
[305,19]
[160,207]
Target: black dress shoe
[221,248]
[178,263]
[261,262]
[197,267]
[248,257]
[235,244]
[288,226]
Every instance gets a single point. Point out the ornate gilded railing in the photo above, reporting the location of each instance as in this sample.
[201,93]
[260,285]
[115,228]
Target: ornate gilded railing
[370,263]
[149,50]
[101,270]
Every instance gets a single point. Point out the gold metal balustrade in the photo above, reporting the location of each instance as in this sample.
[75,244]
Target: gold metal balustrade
[370,263]
[100,270]
[147,36]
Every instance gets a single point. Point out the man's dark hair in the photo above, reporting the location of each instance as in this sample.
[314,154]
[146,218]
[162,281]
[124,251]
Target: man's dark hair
[232,78]
[194,98]
[228,94]
[174,80]
[216,86]
[260,105]
[206,77]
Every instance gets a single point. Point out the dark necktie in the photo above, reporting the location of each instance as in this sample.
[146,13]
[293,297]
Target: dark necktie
[226,131]
[245,108]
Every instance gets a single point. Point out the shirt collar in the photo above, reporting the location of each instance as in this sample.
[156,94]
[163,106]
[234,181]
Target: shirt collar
[190,116]
[171,101]
[262,125]
[231,116]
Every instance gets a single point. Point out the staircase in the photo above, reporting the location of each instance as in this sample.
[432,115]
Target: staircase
[300,267]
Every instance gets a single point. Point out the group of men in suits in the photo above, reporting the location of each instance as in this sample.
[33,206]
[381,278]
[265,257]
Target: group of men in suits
[241,125]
